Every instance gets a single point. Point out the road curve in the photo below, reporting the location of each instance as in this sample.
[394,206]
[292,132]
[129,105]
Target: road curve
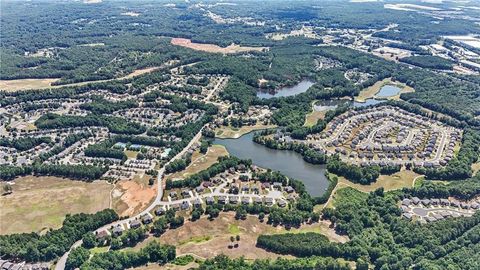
[61,262]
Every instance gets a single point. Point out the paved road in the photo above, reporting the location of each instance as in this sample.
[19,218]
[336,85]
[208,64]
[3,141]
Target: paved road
[158,200]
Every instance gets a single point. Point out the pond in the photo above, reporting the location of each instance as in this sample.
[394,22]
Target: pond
[287,91]
[368,102]
[388,91]
[330,104]
[289,163]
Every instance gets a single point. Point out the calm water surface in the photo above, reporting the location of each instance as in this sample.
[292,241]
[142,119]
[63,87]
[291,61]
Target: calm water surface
[388,91]
[287,162]
[287,91]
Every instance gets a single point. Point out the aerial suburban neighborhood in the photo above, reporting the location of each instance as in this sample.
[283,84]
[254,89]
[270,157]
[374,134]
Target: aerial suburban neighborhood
[215,135]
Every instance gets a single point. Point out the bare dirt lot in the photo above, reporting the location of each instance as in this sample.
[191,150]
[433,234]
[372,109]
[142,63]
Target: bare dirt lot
[132,196]
[23,84]
[187,43]
[38,203]
[206,239]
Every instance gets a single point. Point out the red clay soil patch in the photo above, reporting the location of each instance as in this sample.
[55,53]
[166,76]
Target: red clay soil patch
[187,43]
[135,197]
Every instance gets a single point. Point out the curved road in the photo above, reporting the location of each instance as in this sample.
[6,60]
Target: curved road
[62,260]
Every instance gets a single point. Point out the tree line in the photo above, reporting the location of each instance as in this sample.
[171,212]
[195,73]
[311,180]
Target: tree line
[33,247]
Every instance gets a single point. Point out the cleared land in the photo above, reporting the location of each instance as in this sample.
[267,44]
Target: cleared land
[132,196]
[371,92]
[206,239]
[39,203]
[234,133]
[201,162]
[395,181]
[25,84]
[212,48]
[476,168]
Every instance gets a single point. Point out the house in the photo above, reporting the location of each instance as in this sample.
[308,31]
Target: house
[7,266]
[405,209]
[282,203]
[415,200]
[118,230]
[408,216]
[265,185]
[475,205]
[406,202]
[258,200]
[147,218]
[209,200]
[184,205]
[175,206]
[186,193]
[160,211]
[102,235]
[222,199]
[435,201]
[197,203]
[289,189]
[444,202]
[269,201]
[277,185]
[199,189]
[245,200]
[430,219]
[426,202]
[464,205]
[233,199]
[172,194]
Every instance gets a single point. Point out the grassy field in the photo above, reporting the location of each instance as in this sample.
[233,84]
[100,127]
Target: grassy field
[234,133]
[313,117]
[201,162]
[38,203]
[476,168]
[370,92]
[395,181]
[206,239]
[388,182]
[346,193]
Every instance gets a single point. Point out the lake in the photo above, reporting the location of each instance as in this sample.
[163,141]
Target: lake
[388,91]
[286,91]
[289,163]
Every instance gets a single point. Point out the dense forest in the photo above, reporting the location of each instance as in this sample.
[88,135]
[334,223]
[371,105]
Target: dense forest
[379,236]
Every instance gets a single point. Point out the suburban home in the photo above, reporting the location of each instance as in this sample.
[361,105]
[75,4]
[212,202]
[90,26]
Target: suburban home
[135,224]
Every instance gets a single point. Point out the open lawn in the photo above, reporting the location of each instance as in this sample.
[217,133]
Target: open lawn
[313,117]
[388,182]
[206,239]
[234,133]
[395,181]
[201,162]
[38,203]
[370,92]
